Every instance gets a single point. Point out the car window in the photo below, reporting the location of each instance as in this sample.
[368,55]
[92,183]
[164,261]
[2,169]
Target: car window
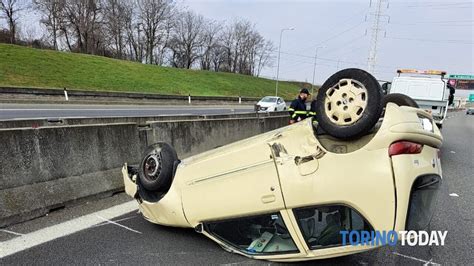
[321,226]
[279,101]
[263,234]
[268,99]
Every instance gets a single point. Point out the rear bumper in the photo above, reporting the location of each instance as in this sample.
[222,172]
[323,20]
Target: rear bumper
[129,182]
[165,210]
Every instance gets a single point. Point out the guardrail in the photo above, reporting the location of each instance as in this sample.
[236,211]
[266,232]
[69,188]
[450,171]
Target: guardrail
[58,95]
[49,167]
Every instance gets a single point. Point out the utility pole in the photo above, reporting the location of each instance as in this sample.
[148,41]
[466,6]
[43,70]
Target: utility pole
[278,63]
[376,28]
[314,68]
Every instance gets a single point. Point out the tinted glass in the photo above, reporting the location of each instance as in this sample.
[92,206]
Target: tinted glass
[263,234]
[422,202]
[269,99]
[321,226]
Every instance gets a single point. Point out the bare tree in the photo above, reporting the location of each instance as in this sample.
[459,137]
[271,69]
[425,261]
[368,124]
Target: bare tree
[210,43]
[152,32]
[84,19]
[135,41]
[243,50]
[264,57]
[154,16]
[9,10]
[187,39]
[117,15]
[52,11]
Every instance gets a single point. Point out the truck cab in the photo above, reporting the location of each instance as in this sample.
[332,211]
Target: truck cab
[428,88]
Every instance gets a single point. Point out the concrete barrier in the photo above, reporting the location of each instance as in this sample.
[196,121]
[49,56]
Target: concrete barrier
[46,167]
[192,137]
[140,120]
[50,167]
[56,95]
[30,156]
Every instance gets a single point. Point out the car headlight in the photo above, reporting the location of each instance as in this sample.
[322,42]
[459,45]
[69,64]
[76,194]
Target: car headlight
[426,123]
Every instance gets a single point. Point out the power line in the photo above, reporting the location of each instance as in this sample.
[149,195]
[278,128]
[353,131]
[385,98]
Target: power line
[321,58]
[338,34]
[352,50]
[345,45]
[437,25]
[424,5]
[360,12]
[438,22]
[466,42]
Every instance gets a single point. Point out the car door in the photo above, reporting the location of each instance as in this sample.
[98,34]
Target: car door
[232,181]
[328,192]
[280,105]
[233,196]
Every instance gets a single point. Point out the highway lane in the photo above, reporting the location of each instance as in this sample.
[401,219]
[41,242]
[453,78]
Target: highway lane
[109,243]
[17,111]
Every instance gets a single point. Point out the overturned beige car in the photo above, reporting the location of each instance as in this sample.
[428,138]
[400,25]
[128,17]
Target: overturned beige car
[286,195]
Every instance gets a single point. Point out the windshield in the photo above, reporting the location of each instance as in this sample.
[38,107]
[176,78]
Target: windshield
[269,99]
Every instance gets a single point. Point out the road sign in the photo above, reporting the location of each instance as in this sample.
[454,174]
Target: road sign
[468,77]
[471,97]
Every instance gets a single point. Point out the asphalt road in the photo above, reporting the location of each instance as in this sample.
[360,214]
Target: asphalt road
[15,111]
[133,240]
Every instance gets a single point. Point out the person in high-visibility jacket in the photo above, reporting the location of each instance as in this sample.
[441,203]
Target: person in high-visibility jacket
[297,108]
[312,110]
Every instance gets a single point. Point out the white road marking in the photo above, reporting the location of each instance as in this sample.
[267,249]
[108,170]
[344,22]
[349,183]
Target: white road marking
[138,109]
[119,220]
[117,224]
[11,232]
[452,152]
[236,263]
[44,235]
[427,262]
[129,109]
[454,195]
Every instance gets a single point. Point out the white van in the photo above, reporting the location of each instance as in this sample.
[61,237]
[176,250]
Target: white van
[428,88]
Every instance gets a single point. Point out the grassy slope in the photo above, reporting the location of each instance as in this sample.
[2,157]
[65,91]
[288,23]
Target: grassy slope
[22,66]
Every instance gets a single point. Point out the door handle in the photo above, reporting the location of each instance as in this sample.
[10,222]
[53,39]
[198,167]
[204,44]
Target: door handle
[268,198]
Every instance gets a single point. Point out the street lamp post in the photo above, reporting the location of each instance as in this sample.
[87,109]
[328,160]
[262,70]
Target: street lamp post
[278,62]
[314,68]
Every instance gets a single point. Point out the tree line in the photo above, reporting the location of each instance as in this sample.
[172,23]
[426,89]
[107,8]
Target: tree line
[159,32]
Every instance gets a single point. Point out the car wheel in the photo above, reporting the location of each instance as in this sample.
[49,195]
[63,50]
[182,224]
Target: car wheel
[156,168]
[349,103]
[399,99]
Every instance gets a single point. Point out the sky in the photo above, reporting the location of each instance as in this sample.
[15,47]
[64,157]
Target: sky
[413,34]
[417,34]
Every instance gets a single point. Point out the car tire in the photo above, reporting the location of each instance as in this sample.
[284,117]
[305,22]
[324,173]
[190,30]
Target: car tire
[349,103]
[157,167]
[399,99]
